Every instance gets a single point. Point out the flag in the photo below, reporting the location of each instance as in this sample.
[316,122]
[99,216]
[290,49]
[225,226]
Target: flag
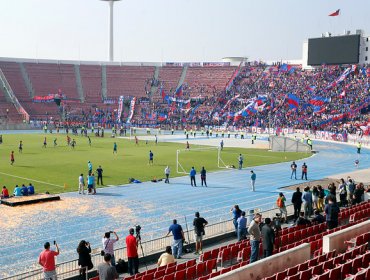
[293,101]
[318,100]
[178,91]
[163,94]
[162,117]
[311,88]
[336,13]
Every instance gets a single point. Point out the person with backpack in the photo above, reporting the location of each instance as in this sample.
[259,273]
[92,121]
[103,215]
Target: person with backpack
[280,202]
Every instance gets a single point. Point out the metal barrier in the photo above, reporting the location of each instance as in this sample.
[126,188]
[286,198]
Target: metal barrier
[71,268]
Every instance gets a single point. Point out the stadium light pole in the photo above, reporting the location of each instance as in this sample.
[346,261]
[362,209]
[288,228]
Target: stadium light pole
[111,2]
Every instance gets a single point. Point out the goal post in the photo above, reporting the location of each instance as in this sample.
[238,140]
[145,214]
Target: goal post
[183,157]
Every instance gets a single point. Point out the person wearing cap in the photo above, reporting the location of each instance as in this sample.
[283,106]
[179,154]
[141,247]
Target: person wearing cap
[105,270]
[268,238]
[132,255]
[255,236]
[199,223]
[47,261]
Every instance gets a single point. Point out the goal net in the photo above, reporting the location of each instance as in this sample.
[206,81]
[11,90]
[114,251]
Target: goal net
[209,157]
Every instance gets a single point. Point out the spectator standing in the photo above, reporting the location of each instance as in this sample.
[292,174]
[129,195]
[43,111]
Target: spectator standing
[242,226]
[222,145]
[253,180]
[351,189]
[307,202]
[47,261]
[132,255]
[84,258]
[203,176]
[99,170]
[255,236]
[192,174]
[108,245]
[199,223]
[167,172]
[236,215]
[81,184]
[297,203]
[304,171]
[315,197]
[106,271]
[320,201]
[293,167]
[280,202]
[343,193]
[357,194]
[332,212]
[268,238]
[240,160]
[178,238]
[166,258]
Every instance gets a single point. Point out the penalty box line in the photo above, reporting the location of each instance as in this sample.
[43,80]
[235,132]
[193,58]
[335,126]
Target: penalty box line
[42,182]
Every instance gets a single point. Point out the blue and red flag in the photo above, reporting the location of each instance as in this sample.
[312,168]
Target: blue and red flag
[162,117]
[292,100]
[311,88]
[178,91]
[318,100]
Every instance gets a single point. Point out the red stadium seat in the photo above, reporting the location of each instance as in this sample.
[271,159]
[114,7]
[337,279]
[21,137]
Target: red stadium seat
[149,276]
[214,274]
[306,274]
[224,255]
[294,277]
[191,263]
[201,269]
[180,266]
[281,275]
[205,256]
[210,265]
[180,274]
[169,276]
[159,274]
[335,273]
[292,270]
[191,272]
[170,269]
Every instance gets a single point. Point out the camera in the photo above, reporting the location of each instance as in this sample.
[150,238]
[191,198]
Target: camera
[55,242]
[137,229]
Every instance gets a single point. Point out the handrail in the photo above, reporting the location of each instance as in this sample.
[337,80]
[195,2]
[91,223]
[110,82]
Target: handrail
[149,247]
[13,98]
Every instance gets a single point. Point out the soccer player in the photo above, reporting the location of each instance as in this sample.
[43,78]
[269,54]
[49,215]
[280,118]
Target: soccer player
[151,155]
[12,158]
[68,140]
[136,141]
[88,138]
[187,145]
[45,143]
[73,143]
[20,148]
[55,142]
[115,148]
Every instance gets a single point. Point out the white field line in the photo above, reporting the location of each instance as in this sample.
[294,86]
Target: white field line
[28,179]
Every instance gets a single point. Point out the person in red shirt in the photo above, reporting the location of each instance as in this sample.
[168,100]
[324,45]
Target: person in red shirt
[132,255]
[12,158]
[47,261]
[4,193]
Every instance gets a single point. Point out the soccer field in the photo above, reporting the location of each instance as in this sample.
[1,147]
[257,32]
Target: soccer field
[56,169]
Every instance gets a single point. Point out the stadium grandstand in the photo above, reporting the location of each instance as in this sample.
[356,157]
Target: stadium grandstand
[314,111]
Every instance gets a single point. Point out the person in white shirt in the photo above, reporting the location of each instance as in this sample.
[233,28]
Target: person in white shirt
[81,184]
[167,172]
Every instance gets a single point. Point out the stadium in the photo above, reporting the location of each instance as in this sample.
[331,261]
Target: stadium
[95,151]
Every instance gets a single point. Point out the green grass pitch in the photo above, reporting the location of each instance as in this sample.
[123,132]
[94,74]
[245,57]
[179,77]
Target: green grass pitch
[56,169]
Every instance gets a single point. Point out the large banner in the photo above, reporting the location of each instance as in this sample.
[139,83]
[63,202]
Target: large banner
[120,108]
[43,99]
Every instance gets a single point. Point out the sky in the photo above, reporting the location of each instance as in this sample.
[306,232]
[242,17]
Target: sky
[172,30]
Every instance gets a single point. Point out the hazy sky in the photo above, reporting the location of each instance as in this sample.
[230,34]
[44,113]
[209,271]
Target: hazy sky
[172,30]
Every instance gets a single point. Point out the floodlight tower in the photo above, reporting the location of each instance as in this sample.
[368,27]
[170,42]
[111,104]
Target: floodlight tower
[111,2]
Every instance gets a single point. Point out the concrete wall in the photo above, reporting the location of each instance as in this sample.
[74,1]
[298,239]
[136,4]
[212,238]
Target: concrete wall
[336,239]
[266,267]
